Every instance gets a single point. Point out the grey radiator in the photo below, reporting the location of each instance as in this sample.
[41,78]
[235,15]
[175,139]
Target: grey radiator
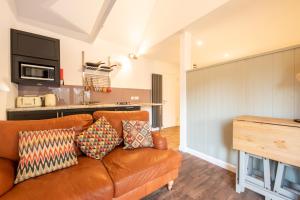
[156,98]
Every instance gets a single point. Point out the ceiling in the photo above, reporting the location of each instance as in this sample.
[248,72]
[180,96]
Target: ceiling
[135,24]
[170,16]
[237,29]
[227,29]
[167,50]
[73,18]
[127,21]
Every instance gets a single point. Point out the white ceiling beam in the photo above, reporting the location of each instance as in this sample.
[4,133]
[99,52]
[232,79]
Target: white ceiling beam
[101,18]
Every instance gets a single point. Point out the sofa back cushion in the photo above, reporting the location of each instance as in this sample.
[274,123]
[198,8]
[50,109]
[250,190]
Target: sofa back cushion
[9,138]
[115,118]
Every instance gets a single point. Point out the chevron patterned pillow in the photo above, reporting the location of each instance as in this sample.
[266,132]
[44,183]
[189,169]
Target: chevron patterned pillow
[45,151]
[99,139]
[136,134]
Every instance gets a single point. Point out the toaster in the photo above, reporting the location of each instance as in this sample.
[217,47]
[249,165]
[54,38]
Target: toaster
[29,101]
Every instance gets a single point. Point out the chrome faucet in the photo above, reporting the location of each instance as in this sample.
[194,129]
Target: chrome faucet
[85,97]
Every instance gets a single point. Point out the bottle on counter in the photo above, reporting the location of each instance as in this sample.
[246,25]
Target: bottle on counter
[62,76]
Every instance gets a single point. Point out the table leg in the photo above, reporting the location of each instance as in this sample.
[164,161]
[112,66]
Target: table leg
[267,176]
[279,177]
[241,173]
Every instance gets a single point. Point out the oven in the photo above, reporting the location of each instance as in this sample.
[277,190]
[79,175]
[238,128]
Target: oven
[37,72]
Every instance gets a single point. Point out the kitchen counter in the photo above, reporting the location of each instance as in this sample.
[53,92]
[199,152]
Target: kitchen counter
[66,107]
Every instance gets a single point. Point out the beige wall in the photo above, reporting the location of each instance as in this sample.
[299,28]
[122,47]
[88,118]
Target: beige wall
[263,86]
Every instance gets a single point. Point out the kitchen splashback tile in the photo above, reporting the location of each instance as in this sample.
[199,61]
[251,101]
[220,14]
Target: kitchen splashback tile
[72,95]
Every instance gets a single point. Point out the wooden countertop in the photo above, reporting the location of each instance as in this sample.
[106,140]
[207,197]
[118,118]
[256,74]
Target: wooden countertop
[66,107]
[273,138]
[268,120]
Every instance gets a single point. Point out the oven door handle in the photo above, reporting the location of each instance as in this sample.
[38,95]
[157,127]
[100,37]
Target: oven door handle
[36,66]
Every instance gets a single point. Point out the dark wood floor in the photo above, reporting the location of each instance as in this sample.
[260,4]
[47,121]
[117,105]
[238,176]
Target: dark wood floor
[199,179]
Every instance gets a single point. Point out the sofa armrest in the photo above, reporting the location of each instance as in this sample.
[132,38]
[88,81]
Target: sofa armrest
[159,141]
[7,175]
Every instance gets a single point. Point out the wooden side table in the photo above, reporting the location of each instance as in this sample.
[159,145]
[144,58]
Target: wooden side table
[266,139]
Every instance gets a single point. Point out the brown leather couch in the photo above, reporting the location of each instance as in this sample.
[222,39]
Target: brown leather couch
[122,174]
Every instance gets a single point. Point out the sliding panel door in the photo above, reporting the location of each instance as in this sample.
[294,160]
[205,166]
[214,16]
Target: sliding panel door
[283,84]
[258,86]
[297,84]
[263,86]
[196,111]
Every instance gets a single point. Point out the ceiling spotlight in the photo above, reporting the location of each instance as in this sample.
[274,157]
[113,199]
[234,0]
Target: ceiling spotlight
[133,56]
[199,43]
[226,55]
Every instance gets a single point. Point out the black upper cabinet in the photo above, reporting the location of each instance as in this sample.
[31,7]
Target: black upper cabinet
[39,52]
[33,45]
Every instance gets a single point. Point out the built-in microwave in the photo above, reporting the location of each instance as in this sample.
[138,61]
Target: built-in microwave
[35,59]
[37,72]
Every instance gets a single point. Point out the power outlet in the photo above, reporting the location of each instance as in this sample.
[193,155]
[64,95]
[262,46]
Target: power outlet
[134,98]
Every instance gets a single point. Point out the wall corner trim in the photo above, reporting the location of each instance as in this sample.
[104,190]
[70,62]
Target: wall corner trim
[211,159]
[183,148]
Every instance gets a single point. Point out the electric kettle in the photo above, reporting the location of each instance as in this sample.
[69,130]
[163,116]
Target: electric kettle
[50,100]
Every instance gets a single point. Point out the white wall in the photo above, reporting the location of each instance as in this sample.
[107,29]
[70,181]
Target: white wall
[7,20]
[133,73]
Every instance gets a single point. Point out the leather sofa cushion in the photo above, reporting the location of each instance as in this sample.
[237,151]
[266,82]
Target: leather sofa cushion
[87,180]
[115,118]
[9,131]
[159,141]
[130,169]
[7,175]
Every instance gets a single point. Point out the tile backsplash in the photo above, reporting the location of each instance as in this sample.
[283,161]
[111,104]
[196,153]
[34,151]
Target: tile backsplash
[72,95]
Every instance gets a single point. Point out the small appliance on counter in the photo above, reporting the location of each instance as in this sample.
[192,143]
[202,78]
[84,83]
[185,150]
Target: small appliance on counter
[50,100]
[29,101]
[123,103]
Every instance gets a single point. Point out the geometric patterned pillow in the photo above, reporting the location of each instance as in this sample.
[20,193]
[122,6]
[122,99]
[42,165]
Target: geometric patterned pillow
[45,151]
[99,139]
[136,134]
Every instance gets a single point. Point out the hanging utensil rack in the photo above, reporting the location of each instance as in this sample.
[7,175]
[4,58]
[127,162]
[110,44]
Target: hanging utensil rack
[96,76]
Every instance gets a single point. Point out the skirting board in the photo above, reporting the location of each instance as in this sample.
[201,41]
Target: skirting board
[211,159]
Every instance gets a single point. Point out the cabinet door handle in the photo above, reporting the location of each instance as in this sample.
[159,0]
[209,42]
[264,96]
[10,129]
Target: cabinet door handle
[62,114]
[57,115]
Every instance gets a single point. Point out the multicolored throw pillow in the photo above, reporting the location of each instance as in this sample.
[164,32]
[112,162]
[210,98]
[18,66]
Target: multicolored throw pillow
[136,134]
[99,139]
[45,151]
